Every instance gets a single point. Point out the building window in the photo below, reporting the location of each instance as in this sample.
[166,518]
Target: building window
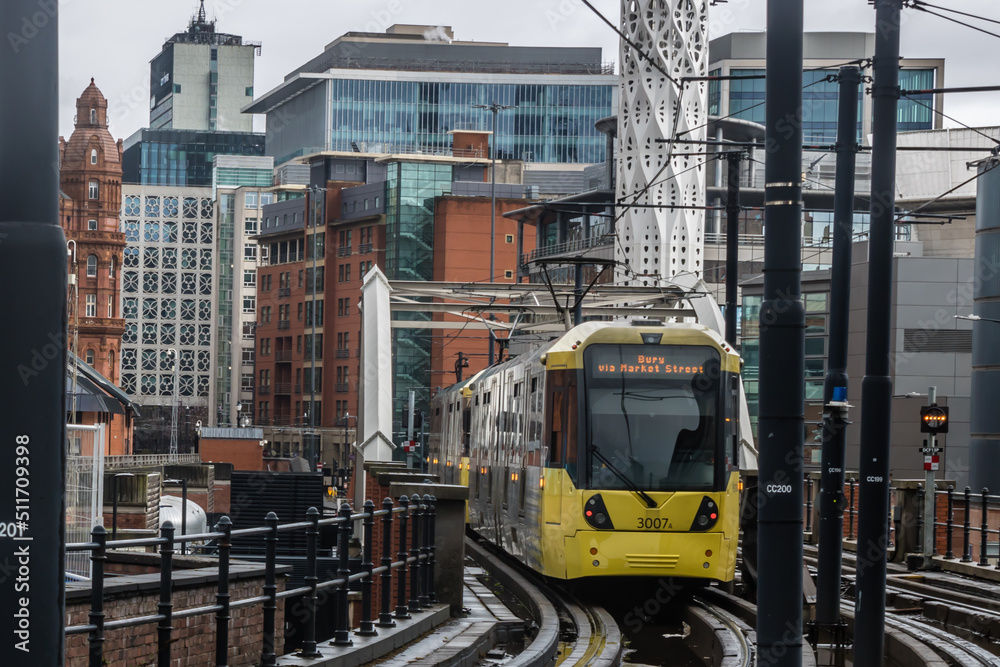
[177,88]
[111,269]
[91,305]
[93,156]
[249,251]
[92,225]
[93,116]
[249,91]
[249,304]
[90,357]
[111,306]
[92,266]
[250,200]
[250,225]
[93,191]
[249,278]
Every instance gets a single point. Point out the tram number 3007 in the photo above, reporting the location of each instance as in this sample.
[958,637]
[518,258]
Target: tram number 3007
[650,523]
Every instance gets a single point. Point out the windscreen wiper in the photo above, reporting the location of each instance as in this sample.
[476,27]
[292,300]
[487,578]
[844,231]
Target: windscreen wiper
[628,482]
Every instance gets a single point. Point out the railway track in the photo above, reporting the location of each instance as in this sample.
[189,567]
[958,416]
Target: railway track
[570,632]
[920,634]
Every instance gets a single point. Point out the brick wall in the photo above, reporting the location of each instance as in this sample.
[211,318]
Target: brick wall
[193,638]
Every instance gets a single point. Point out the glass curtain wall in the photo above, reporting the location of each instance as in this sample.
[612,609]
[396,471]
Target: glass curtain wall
[549,123]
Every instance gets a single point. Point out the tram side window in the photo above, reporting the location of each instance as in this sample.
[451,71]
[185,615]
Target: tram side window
[570,440]
[558,426]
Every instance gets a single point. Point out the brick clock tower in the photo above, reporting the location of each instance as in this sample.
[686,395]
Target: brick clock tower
[90,199]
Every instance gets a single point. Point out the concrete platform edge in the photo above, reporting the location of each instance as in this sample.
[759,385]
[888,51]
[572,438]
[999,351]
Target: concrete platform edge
[368,649]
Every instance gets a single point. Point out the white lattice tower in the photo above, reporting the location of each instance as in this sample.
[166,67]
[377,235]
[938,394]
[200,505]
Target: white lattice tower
[656,242]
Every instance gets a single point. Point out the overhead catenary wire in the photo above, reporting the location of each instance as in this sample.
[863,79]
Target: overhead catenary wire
[923,8]
[917,3]
[944,115]
[632,44]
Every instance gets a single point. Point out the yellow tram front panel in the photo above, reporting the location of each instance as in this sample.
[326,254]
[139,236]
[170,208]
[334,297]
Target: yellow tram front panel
[643,541]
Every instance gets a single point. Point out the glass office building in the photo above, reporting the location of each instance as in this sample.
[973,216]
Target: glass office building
[548,123]
[820,98]
[182,157]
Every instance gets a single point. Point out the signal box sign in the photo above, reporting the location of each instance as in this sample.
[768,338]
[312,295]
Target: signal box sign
[932,462]
[934,419]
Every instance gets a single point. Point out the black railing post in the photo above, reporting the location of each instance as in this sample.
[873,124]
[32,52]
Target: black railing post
[984,531]
[385,614]
[950,553]
[433,537]
[225,526]
[425,553]
[268,657]
[850,513]
[309,649]
[418,515]
[809,505]
[967,527]
[342,635]
[165,607]
[401,610]
[97,559]
[367,628]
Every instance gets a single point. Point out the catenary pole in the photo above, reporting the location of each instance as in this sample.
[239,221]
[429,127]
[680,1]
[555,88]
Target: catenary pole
[732,241]
[34,337]
[876,389]
[831,505]
[782,341]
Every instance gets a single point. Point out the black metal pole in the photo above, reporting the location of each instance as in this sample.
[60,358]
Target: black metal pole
[309,649]
[165,606]
[268,657]
[876,389]
[415,570]
[342,635]
[732,241]
[401,611]
[782,350]
[114,507]
[578,295]
[97,559]
[33,266]
[184,513]
[385,616]
[950,552]
[367,628]
[832,456]
[222,616]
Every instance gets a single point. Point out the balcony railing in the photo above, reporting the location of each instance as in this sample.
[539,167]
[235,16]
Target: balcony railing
[264,389]
[283,355]
[284,292]
[282,387]
[341,387]
[344,251]
[567,247]
[298,389]
[284,324]
[343,354]
[364,248]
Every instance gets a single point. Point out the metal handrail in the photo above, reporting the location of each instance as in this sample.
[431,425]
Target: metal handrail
[419,562]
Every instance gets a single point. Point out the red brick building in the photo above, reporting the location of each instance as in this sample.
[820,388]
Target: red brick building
[90,181]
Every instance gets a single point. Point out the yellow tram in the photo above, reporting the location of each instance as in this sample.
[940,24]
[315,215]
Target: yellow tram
[611,451]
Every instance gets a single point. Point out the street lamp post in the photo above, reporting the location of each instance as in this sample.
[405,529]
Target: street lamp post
[114,503]
[495,108]
[975,318]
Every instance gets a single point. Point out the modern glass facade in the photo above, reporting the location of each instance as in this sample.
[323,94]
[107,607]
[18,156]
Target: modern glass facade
[549,123]
[817,305]
[410,192]
[820,99]
[182,157]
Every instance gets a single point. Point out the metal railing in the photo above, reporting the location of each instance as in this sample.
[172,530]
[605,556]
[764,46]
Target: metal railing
[342,354]
[364,248]
[282,387]
[568,246]
[283,355]
[341,387]
[344,251]
[148,460]
[284,292]
[284,324]
[971,503]
[416,515]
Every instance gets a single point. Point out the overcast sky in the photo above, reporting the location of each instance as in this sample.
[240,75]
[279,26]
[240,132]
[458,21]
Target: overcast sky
[114,40]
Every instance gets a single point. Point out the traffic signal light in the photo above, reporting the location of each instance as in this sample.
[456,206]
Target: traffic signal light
[418,418]
[933,419]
